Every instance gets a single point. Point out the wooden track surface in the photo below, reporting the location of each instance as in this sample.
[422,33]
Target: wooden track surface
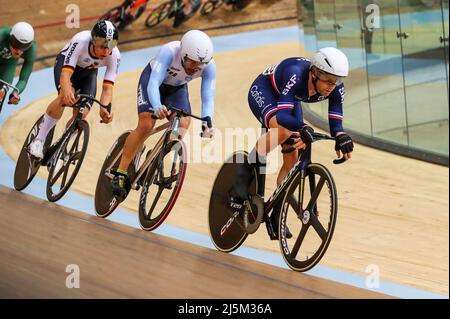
[38,240]
[393,211]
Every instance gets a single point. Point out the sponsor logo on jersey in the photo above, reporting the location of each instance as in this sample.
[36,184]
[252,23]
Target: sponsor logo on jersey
[5,54]
[342,92]
[140,97]
[290,84]
[69,54]
[257,96]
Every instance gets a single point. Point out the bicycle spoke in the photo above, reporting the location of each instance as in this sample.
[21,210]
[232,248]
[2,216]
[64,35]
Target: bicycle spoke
[321,231]
[316,193]
[294,204]
[299,240]
[155,201]
[63,183]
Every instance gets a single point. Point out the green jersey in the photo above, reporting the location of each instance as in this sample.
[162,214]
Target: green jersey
[8,63]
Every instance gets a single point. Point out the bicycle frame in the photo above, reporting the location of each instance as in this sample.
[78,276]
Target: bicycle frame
[8,86]
[171,127]
[304,159]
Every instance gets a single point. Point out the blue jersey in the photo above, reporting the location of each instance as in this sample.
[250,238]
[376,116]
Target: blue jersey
[289,81]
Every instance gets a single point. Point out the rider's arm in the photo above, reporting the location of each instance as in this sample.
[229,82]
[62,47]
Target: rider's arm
[288,114]
[159,68]
[70,63]
[29,56]
[112,69]
[208,89]
[335,114]
[64,80]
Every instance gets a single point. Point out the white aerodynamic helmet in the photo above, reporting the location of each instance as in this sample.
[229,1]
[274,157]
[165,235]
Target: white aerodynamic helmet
[197,46]
[331,60]
[21,36]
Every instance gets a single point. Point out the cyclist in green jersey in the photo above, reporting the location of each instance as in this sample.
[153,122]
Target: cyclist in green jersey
[16,42]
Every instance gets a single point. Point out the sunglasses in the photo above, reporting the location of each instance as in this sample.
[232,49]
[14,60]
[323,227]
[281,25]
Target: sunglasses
[16,44]
[329,79]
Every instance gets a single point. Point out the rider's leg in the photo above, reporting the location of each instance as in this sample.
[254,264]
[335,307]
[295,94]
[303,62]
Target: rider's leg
[121,184]
[136,139]
[263,104]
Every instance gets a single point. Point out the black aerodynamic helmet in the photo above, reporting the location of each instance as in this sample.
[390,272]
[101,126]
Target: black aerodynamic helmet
[105,34]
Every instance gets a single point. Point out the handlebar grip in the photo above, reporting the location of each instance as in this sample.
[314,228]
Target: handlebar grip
[339,160]
[208,121]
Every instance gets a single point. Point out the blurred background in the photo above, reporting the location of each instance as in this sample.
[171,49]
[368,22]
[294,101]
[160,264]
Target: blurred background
[397,91]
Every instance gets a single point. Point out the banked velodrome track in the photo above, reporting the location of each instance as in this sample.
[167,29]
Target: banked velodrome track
[380,222]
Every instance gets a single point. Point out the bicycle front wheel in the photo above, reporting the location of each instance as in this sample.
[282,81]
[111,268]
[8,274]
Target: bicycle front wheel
[66,162]
[162,185]
[158,14]
[210,6]
[310,212]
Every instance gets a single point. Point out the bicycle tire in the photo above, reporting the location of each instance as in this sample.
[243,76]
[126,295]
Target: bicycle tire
[159,14]
[210,6]
[309,218]
[148,223]
[26,165]
[226,228]
[75,157]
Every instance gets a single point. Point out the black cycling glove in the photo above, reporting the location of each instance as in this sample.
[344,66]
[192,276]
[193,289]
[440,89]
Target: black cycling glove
[344,143]
[306,134]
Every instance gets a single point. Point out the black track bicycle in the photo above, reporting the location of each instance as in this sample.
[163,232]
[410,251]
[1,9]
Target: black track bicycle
[212,5]
[5,86]
[160,176]
[168,10]
[125,13]
[307,190]
[62,158]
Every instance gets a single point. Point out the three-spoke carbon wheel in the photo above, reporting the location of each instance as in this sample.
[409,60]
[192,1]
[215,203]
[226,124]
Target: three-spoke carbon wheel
[159,14]
[66,163]
[309,210]
[162,185]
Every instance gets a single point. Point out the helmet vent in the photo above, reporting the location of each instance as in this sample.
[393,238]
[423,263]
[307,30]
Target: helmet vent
[326,60]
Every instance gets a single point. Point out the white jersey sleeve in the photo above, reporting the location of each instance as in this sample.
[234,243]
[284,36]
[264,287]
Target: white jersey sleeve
[112,67]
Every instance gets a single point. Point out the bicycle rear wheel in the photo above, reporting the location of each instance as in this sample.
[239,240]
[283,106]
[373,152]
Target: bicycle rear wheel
[66,163]
[158,14]
[312,232]
[210,6]
[27,166]
[226,227]
[105,201]
[162,185]
[112,15]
